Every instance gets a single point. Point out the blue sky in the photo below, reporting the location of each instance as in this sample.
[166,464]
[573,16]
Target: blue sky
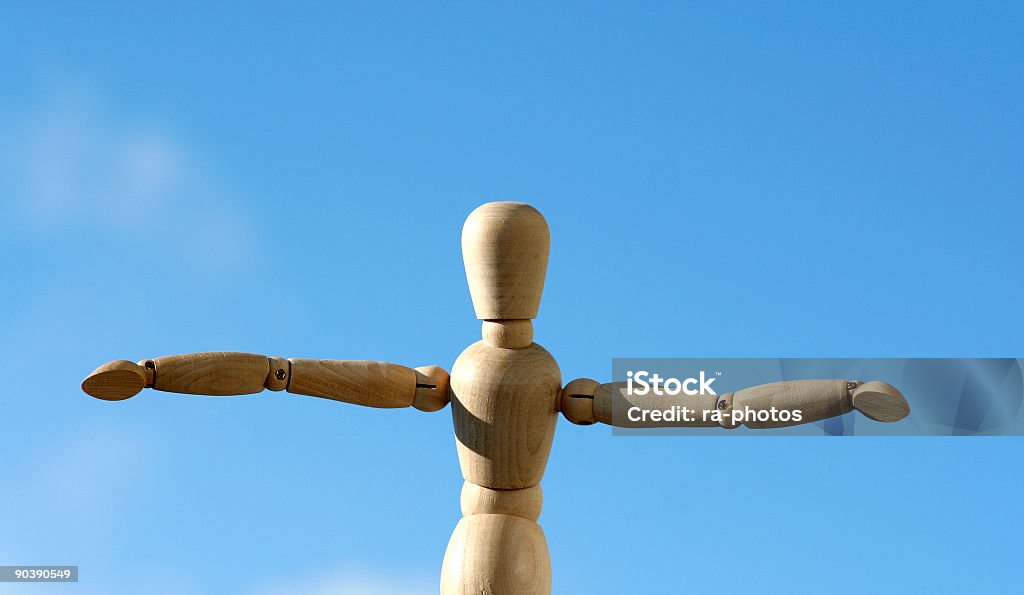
[720,179]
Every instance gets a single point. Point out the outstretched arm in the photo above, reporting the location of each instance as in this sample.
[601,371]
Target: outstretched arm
[584,402]
[369,383]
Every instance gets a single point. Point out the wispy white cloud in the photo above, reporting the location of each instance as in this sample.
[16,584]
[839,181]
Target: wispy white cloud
[71,160]
[355,581]
[76,482]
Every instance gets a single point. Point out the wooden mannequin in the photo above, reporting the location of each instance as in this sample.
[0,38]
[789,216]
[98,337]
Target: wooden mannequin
[506,393]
